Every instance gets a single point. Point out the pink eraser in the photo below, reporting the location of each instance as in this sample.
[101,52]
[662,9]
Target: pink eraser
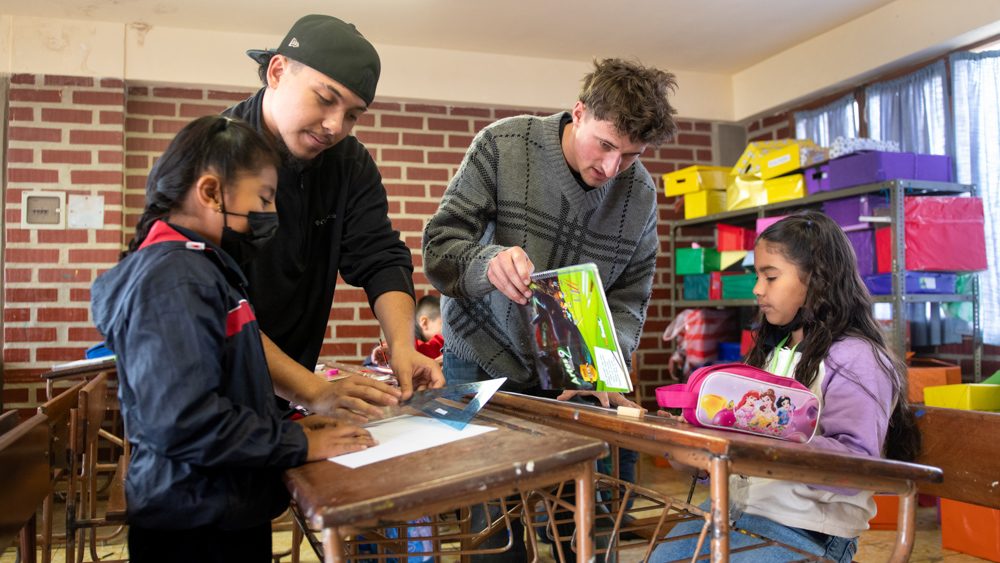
[332,371]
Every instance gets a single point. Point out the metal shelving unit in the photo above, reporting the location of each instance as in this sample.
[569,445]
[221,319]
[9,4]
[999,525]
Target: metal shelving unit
[896,190]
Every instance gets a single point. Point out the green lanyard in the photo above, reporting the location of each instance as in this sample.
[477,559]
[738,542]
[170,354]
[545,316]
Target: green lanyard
[777,352]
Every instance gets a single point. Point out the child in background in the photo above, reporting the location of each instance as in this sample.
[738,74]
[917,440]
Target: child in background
[208,446]
[809,291]
[428,327]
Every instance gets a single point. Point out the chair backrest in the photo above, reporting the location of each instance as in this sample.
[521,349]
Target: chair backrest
[24,475]
[963,444]
[8,421]
[57,410]
[92,404]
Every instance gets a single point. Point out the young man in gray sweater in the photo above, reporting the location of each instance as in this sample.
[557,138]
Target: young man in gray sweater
[538,193]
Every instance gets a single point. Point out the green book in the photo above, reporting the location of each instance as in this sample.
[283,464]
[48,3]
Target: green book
[574,339]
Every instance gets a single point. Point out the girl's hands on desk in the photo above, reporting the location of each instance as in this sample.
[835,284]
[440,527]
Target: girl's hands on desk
[606,399]
[329,437]
[356,398]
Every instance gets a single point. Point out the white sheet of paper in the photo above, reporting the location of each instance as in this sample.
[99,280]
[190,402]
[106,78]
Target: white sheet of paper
[407,434]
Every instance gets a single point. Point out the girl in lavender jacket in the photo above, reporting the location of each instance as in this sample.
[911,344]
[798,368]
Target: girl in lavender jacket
[809,290]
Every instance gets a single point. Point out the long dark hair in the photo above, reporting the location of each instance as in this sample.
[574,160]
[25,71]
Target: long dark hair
[229,147]
[837,306]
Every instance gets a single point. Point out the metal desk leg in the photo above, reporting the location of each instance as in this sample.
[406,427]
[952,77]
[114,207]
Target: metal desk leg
[333,546]
[719,473]
[907,526]
[584,513]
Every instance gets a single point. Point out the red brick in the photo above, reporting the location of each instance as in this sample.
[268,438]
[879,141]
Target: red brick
[337,313]
[98,98]
[84,334]
[656,168]
[185,93]
[425,108]
[61,314]
[502,113]
[395,208]
[107,237]
[110,157]
[198,110]
[11,315]
[405,190]
[422,140]
[29,334]
[96,177]
[413,242]
[369,137]
[480,124]
[31,95]
[677,154]
[402,121]
[12,216]
[402,155]
[137,161]
[62,236]
[445,157]
[365,120]
[59,354]
[229,96]
[168,126]
[79,294]
[20,155]
[138,91]
[391,172]
[63,275]
[775,120]
[444,124]
[705,156]
[35,134]
[23,79]
[424,208]
[135,201]
[112,117]
[136,107]
[30,175]
[17,275]
[136,125]
[151,145]
[66,157]
[56,80]
[408,225]
[358,331]
[60,115]
[93,256]
[112,83]
[784,133]
[113,218]
[471,112]
[685,126]
[694,139]
[460,141]
[702,126]
[21,114]
[437,191]
[135,182]
[16,394]
[340,350]
[768,136]
[85,137]
[32,255]
[385,106]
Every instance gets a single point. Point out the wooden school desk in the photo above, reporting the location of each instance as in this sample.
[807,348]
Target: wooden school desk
[724,453]
[518,456]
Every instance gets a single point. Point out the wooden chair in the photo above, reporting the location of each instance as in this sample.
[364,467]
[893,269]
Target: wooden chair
[8,421]
[57,410]
[24,482]
[81,499]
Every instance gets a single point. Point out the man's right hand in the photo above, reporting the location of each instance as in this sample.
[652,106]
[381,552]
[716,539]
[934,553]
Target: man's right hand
[328,437]
[354,399]
[510,272]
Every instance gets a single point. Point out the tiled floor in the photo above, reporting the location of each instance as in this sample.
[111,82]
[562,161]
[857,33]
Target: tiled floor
[874,546]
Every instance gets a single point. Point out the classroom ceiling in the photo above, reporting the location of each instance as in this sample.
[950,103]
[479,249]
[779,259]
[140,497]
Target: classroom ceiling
[713,36]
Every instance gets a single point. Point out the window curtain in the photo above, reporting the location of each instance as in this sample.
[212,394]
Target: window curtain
[823,125]
[911,110]
[975,82]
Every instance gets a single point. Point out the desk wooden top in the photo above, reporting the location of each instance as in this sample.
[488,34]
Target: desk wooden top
[83,370]
[519,455]
[747,454]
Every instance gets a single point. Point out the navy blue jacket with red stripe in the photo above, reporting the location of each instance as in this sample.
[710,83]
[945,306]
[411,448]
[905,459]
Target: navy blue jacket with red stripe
[196,396]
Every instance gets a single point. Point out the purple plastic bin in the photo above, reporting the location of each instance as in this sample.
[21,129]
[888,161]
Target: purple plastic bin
[863,243]
[870,167]
[817,178]
[933,167]
[915,282]
[846,211]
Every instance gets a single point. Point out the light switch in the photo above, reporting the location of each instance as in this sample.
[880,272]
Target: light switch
[42,210]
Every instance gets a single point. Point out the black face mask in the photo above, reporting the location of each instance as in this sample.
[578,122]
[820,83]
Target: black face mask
[243,247]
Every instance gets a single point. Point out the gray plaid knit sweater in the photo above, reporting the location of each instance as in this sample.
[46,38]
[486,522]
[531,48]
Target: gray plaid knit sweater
[514,188]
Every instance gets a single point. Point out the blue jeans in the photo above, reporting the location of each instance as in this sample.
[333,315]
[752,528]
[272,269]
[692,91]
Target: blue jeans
[830,547]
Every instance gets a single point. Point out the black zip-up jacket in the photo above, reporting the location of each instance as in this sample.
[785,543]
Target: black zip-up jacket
[208,444]
[334,218]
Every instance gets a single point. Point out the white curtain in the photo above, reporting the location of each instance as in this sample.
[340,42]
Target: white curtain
[823,125]
[911,110]
[975,81]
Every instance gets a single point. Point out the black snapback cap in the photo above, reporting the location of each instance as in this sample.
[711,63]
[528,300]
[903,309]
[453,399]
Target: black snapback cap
[333,47]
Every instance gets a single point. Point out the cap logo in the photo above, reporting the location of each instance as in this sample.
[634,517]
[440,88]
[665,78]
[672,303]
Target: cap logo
[294,42]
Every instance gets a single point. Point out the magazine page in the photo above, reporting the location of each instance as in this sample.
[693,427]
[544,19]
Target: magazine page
[574,337]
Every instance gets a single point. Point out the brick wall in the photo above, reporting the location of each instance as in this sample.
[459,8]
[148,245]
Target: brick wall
[778,126]
[99,137]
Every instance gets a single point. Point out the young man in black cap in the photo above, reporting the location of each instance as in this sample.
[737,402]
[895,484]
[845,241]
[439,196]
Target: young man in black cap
[333,216]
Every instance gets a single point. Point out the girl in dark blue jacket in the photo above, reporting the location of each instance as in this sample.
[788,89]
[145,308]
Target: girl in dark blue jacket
[208,445]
